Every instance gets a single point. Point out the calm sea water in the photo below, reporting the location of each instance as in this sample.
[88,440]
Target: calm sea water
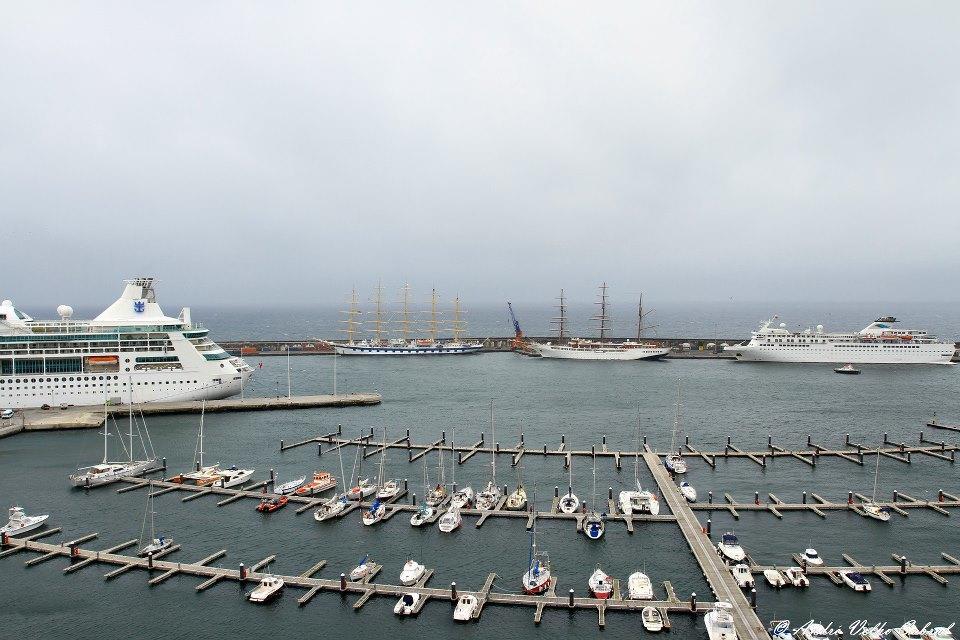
[543,399]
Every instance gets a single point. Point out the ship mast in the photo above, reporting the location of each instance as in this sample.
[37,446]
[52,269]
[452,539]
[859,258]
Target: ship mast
[641,314]
[352,312]
[561,320]
[433,325]
[458,326]
[405,313]
[603,320]
[378,313]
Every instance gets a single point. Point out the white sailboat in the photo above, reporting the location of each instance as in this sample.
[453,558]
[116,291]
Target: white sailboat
[107,472]
[461,498]
[593,525]
[375,513]
[569,502]
[537,578]
[517,500]
[154,544]
[335,505]
[363,488]
[674,462]
[489,498]
[424,512]
[386,488]
[210,474]
[872,509]
[438,494]
[640,500]
[360,571]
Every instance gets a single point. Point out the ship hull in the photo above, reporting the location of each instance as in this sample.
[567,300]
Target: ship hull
[601,353]
[830,354]
[440,350]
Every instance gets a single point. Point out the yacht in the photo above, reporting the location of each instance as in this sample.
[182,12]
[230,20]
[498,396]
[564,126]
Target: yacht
[463,498]
[688,491]
[939,633]
[466,607]
[639,586]
[743,576]
[796,577]
[537,578]
[774,578]
[907,631]
[20,523]
[814,631]
[812,558]
[730,549]
[111,471]
[451,520]
[132,349]
[855,580]
[269,588]
[407,604]
[363,489]
[331,508]
[601,584]
[719,622]
[877,343]
[652,619]
[412,571]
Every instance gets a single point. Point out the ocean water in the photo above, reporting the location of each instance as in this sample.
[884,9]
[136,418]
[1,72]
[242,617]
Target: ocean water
[542,399]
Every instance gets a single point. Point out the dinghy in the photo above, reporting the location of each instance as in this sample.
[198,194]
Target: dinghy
[652,619]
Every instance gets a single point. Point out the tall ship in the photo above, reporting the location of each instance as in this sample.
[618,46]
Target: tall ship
[878,343]
[405,344]
[130,352]
[601,348]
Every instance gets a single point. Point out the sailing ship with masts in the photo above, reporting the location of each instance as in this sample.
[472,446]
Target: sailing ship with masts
[602,348]
[111,471]
[405,344]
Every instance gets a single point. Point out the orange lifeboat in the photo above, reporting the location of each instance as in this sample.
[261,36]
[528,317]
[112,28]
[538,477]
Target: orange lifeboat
[906,338]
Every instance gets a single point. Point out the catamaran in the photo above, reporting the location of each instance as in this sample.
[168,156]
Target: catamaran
[107,472]
[154,544]
[674,462]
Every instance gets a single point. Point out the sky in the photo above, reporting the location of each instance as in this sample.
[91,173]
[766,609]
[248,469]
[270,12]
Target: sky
[284,152]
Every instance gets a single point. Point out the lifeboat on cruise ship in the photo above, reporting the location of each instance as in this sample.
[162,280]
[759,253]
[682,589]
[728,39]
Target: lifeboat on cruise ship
[906,338]
[889,336]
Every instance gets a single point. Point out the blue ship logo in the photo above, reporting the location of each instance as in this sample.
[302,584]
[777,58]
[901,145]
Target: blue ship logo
[883,326]
[139,306]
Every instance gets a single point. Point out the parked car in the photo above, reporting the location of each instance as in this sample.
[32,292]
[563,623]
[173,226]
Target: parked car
[6,414]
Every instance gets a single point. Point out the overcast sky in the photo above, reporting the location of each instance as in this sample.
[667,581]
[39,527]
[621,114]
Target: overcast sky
[284,152]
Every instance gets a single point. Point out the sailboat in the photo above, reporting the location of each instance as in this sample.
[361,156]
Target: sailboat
[208,475]
[438,495]
[872,509]
[517,501]
[489,498]
[602,348]
[153,544]
[424,512]
[335,505]
[107,472]
[537,578]
[674,462]
[593,524]
[569,502]
[601,584]
[386,489]
[375,513]
[462,498]
[364,488]
[641,500]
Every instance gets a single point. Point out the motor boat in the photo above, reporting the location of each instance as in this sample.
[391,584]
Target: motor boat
[406,604]
[774,578]
[601,585]
[517,501]
[855,580]
[719,622]
[876,632]
[636,502]
[436,496]
[321,482]
[362,570]
[488,499]
[363,489]
[652,619]
[848,369]
[814,631]
[269,588]
[639,586]
[19,523]
[155,546]
[593,526]
[743,576]
[568,503]
[202,477]
[812,558]
[675,463]
[331,508]
[288,488]
[688,491]
[233,477]
[388,489]
[269,505]
[796,577]
[466,607]
[730,549]
[462,499]
[412,571]
[876,512]
[907,631]
[422,515]
[939,633]
[375,513]
[450,521]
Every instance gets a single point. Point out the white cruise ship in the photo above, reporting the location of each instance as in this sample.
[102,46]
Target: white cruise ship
[131,350]
[878,343]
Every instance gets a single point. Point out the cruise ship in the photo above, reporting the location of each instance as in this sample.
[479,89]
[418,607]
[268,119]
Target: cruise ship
[878,343]
[131,350]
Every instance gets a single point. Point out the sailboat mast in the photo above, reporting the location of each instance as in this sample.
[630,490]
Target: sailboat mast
[603,320]
[458,324]
[378,313]
[352,312]
[104,431]
[636,453]
[130,418]
[405,313]
[676,420]
[432,331]
[493,446]
[343,476]
[876,476]
[640,319]
[453,463]
[561,320]
[203,405]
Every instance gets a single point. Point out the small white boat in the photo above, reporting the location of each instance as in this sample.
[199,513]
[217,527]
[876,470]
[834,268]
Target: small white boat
[489,497]
[876,632]
[876,511]
[20,523]
[601,584]
[639,586]
[412,571]
[675,463]
[652,619]
[719,622]
[688,491]
[855,580]
[421,515]
[361,571]
[450,521]
[517,501]
[233,477]
[363,489]
[463,498]
[268,589]
[774,578]
[812,558]
[730,549]
[331,508]
[375,513]
[388,489]
[406,604]
[848,369]
[466,607]
[154,544]
[814,631]
[796,577]
[288,488]
[743,576]
[568,503]
[939,633]
[907,631]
